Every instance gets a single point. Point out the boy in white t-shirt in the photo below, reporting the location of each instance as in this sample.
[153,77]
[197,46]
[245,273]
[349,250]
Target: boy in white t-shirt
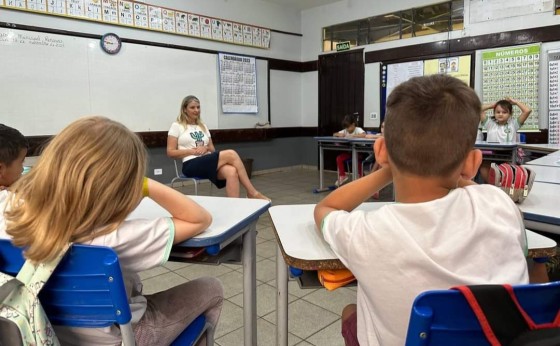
[443,230]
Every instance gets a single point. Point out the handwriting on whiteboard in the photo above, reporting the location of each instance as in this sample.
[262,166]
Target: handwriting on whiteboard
[33,39]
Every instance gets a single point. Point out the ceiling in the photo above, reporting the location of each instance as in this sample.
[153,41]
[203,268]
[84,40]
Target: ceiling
[302,4]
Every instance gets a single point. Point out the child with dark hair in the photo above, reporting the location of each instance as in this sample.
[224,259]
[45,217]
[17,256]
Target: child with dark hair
[501,126]
[350,129]
[13,149]
[444,230]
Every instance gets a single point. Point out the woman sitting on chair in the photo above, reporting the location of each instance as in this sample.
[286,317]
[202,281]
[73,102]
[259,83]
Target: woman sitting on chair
[189,139]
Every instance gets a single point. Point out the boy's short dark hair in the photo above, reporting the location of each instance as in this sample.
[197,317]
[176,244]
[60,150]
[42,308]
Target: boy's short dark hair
[431,124]
[348,120]
[11,144]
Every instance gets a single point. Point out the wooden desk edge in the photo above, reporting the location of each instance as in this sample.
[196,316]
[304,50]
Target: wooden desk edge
[307,264]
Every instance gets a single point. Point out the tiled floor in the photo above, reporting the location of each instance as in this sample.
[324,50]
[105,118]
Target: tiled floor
[314,314]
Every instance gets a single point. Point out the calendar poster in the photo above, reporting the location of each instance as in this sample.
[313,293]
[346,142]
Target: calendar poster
[125,13]
[194,25]
[75,8]
[237,33]
[168,17]
[265,38]
[140,15]
[34,5]
[228,31]
[553,97]
[181,23]
[205,27]
[93,9]
[513,72]
[238,83]
[154,13]
[110,11]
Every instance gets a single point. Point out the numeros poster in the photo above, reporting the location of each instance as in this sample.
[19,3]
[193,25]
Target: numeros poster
[238,83]
[513,72]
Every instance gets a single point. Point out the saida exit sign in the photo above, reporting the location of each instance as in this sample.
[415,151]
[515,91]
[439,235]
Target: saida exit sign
[343,46]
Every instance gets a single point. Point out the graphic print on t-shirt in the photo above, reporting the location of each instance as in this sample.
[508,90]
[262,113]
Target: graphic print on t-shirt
[198,136]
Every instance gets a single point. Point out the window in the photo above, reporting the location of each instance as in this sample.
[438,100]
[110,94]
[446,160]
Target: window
[427,20]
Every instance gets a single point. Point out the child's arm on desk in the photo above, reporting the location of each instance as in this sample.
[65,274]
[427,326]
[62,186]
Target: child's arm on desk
[349,196]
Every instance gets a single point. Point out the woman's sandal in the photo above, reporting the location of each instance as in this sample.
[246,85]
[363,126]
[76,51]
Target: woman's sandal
[259,195]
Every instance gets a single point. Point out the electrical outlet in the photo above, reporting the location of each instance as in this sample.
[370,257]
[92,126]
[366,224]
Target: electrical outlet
[158,171]
[373,115]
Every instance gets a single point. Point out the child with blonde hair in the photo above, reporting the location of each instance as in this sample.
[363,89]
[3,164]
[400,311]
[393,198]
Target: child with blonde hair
[87,181]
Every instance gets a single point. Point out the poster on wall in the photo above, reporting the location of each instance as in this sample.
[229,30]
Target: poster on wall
[156,22]
[457,66]
[93,9]
[513,72]
[194,25]
[140,15]
[553,97]
[238,83]
[126,16]
[205,27]
[110,11]
[34,5]
[181,23]
[168,20]
[395,74]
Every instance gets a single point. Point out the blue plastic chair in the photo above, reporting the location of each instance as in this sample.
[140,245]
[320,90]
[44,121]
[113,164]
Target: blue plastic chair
[179,176]
[87,290]
[445,317]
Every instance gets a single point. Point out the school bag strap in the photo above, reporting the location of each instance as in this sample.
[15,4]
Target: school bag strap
[34,276]
[504,321]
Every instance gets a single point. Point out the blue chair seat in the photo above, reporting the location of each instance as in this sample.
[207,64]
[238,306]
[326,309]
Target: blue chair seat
[445,318]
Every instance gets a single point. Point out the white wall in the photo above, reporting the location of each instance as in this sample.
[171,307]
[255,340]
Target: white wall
[314,19]
[256,12]
[310,99]
[285,98]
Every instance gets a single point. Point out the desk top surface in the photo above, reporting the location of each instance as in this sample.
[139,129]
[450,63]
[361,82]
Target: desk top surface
[552,160]
[304,248]
[484,144]
[229,216]
[546,174]
[541,147]
[542,204]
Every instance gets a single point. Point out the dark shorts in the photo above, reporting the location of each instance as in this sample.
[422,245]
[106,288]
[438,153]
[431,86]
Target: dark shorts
[204,167]
[350,330]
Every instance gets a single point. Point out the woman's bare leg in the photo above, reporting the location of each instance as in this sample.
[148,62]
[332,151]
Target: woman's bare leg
[229,174]
[231,158]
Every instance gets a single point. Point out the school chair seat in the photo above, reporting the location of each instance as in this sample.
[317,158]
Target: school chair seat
[179,176]
[445,318]
[86,290]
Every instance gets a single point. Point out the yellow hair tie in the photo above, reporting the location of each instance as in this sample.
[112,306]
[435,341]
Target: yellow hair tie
[145,191]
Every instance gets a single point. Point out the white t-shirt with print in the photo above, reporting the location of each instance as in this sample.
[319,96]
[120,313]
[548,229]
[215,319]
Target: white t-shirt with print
[357,131]
[501,133]
[474,235]
[140,245]
[189,137]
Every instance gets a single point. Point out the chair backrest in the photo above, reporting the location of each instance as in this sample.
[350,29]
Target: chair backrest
[445,317]
[177,173]
[85,290]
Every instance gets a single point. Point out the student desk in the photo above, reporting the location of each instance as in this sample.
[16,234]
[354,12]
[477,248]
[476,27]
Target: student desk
[552,160]
[505,150]
[354,145]
[546,174]
[540,209]
[541,148]
[300,246]
[232,218]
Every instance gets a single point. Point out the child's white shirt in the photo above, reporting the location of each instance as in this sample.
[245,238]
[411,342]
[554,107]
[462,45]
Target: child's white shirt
[189,137]
[357,131]
[474,235]
[501,133]
[140,244]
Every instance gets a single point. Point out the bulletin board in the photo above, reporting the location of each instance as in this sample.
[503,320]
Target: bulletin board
[457,66]
[553,97]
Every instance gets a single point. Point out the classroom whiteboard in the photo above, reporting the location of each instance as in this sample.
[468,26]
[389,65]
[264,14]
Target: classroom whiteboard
[49,80]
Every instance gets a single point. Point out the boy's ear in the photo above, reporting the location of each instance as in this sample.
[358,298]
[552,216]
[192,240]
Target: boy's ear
[380,151]
[471,164]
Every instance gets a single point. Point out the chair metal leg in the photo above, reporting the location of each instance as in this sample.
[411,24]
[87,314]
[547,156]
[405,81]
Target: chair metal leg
[195,187]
